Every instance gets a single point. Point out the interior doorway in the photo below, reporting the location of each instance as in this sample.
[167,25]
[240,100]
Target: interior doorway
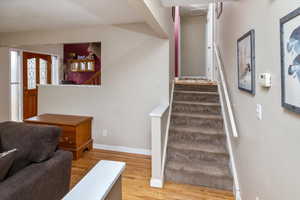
[36,70]
[194,44]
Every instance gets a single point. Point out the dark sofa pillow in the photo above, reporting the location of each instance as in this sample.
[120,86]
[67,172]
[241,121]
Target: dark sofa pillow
[35,143]
[6,161]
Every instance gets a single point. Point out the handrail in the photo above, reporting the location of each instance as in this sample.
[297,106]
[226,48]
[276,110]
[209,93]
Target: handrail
[226,100]
[167,132]
[94,80]
[225,90]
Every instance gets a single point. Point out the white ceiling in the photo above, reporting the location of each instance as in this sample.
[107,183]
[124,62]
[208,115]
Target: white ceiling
[189,2]
[27,15]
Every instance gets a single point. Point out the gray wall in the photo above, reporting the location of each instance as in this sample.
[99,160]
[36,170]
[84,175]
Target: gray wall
[135,79]
[193,45]
[267,152]
[4,84]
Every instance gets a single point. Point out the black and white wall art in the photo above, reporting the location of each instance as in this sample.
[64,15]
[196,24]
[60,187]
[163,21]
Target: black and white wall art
[246,62]
[290,60]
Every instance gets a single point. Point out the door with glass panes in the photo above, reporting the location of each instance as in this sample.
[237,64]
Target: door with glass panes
[36,70]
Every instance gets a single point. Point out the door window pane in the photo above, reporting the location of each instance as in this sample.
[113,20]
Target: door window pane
[31,73]
[43,71]
[15,98]
[14,67]
[55,70]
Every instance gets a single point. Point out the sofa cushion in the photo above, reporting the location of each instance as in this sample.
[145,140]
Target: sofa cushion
[6,161]
[35,143]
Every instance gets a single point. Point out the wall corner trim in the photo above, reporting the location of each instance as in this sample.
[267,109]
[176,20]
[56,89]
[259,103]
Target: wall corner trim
[238,195]
[123,149]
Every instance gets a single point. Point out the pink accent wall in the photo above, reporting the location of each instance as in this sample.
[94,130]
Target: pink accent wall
[80,49]
[177,40]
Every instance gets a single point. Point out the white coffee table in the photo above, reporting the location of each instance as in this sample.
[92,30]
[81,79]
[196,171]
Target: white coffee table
[102,182]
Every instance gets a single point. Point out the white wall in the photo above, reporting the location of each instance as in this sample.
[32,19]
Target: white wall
[4,84]
[193,45]
[51,49]
[135,79]
[159,18]
[267,152]
[163,15]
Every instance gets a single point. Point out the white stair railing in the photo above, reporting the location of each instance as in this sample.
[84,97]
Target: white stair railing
[225,95]
[228,116]
[160,123]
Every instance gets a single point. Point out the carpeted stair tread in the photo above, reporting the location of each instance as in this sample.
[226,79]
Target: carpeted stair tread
[203,116]
[210,148]
[195,92]
[206,131]
[196,96]
[196,87]
[196,150]
[199,178]
[197,103]
[200,168]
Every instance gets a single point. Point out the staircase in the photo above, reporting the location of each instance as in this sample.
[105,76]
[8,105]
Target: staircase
[196,151]
[94,80]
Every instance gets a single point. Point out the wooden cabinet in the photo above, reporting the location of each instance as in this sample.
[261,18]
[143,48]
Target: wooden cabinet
[76,131]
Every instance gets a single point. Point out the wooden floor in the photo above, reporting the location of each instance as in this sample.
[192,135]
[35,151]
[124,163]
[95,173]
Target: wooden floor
[136,179]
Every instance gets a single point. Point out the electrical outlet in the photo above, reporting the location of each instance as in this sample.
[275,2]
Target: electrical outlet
[105,133]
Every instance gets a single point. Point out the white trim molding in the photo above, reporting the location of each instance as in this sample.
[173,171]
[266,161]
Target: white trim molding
[167,136]
[157,183]
[123,149]
[229,120]
[159,125]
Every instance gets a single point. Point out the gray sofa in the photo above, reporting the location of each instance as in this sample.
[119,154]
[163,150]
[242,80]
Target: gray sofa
[39,171]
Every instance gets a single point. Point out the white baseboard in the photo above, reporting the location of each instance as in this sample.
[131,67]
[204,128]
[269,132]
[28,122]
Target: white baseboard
[123,149]
[157,183]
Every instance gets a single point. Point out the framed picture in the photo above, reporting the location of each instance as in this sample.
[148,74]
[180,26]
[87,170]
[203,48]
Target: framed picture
[219,9]
[290,60]
[246,62]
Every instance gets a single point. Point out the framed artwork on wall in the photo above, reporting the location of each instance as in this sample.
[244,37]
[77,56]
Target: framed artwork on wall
[290,61]
[219,9]
[246,62]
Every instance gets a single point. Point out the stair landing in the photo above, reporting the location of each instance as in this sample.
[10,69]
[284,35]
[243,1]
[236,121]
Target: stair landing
[194,82]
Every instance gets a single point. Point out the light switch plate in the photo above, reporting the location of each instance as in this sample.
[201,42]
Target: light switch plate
[259,111]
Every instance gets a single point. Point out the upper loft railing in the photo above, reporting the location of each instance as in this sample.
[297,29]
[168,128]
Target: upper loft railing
[94,80]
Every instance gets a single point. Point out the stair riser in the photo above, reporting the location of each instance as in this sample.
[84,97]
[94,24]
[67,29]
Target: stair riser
[207,98]
[196,156]
[202,88]
[196,109]
[179,176]
[196,138]
[196,122]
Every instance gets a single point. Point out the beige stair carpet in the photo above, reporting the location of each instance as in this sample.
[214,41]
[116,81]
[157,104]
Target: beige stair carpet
[196,152]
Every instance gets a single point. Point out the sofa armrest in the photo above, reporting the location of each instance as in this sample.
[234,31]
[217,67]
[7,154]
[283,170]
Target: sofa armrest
[48,180]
